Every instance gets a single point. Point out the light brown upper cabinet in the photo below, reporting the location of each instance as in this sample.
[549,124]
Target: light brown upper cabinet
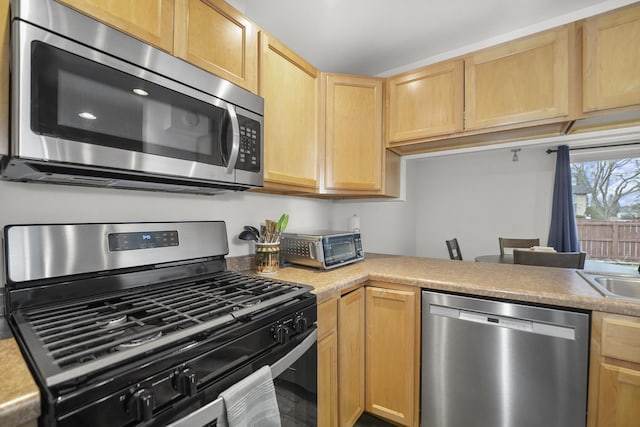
[611,60]
[354,147]
[216,37]
[207,33]
[426,102]
[519,81]
[148,20]
[290,87]
[4,77]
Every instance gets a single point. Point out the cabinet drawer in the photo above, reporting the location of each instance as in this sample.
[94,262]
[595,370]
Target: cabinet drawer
[621,338]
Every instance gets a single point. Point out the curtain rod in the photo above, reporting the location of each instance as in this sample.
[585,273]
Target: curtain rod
[549,151]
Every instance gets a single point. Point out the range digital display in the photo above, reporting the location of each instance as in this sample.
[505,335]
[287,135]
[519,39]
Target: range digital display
[144,240]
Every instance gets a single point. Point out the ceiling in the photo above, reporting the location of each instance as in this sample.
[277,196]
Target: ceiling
[384,37]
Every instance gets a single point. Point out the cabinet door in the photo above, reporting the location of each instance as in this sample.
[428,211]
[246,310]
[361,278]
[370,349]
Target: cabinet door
[353,131]
[148,20]
[4,77]
[619,397]
[328,380]
[426,102]
[519,81]
[216,37]
[290,87]
[392,372]
[328,363]
[611,70]
[351,357]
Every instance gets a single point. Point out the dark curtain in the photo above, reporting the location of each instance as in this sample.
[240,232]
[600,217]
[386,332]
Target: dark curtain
[563,234]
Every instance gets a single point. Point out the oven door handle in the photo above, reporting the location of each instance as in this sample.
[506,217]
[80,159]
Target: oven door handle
[214,410]
[287,361]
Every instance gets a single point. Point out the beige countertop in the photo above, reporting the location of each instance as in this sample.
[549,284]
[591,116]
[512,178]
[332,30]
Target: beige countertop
[20,399]
[19,394]
[542,285]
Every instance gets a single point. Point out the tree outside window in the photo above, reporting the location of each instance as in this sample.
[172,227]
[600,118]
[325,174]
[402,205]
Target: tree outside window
[607,205]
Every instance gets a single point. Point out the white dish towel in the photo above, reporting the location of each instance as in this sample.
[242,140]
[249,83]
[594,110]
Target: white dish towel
[251,402]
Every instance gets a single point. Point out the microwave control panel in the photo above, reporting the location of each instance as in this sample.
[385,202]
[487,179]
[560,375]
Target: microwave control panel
[249,155]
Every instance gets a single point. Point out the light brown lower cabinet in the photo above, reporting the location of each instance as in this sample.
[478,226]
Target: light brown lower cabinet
[351,350]
[393,353]
[614,373]
[328,363]
[369,355]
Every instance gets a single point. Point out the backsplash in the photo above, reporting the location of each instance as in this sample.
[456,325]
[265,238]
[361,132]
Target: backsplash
[241,263]
[31,203]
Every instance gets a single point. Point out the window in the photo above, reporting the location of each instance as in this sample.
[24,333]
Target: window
[607,206]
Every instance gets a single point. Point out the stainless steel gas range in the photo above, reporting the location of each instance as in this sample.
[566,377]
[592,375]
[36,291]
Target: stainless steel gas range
[140,324]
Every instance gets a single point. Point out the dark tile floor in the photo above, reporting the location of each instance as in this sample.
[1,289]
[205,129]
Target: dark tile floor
[367,420]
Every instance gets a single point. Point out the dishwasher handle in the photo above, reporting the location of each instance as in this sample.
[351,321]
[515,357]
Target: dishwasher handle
[514,323]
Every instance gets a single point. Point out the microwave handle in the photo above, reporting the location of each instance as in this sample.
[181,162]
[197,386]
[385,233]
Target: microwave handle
[235,145]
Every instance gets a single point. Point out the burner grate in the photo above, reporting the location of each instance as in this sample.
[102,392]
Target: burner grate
[75,334]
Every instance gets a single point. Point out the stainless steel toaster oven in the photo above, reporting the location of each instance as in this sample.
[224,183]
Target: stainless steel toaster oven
[322,249]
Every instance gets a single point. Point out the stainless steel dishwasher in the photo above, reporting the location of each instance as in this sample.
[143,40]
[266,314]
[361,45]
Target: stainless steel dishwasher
[501,364]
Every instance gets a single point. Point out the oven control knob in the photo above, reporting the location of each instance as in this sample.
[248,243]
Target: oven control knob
[185,382]
[282,334]
[140,405]
[300,323]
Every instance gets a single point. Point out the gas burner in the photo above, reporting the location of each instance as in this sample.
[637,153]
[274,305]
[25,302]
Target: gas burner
[113,322]
[243,304]
[135,342]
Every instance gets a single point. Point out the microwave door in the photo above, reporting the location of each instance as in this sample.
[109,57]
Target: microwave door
[76,105]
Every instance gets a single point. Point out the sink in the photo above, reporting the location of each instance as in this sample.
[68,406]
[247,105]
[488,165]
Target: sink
[614,285]
[626,287]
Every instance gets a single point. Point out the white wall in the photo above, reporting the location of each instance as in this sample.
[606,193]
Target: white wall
[475,197]
[481,196]
[24,203]
[386,226]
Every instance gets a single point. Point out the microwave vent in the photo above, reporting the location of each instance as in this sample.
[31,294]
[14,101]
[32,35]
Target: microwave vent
[73,180]
[16,169]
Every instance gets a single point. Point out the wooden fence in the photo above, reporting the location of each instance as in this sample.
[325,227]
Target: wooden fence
[610,240]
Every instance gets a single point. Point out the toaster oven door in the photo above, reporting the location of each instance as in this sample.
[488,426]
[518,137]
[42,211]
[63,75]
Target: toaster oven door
[341,250]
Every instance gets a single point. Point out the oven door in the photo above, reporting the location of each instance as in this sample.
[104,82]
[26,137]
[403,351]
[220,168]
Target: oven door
[76,105]
[295,381]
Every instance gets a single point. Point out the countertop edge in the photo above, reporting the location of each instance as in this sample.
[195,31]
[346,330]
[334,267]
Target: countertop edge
[352,279]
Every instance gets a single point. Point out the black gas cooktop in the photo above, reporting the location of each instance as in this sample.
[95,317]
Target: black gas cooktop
[82,337]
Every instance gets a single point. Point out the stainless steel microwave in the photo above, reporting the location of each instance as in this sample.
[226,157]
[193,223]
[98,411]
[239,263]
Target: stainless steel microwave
[93,106]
